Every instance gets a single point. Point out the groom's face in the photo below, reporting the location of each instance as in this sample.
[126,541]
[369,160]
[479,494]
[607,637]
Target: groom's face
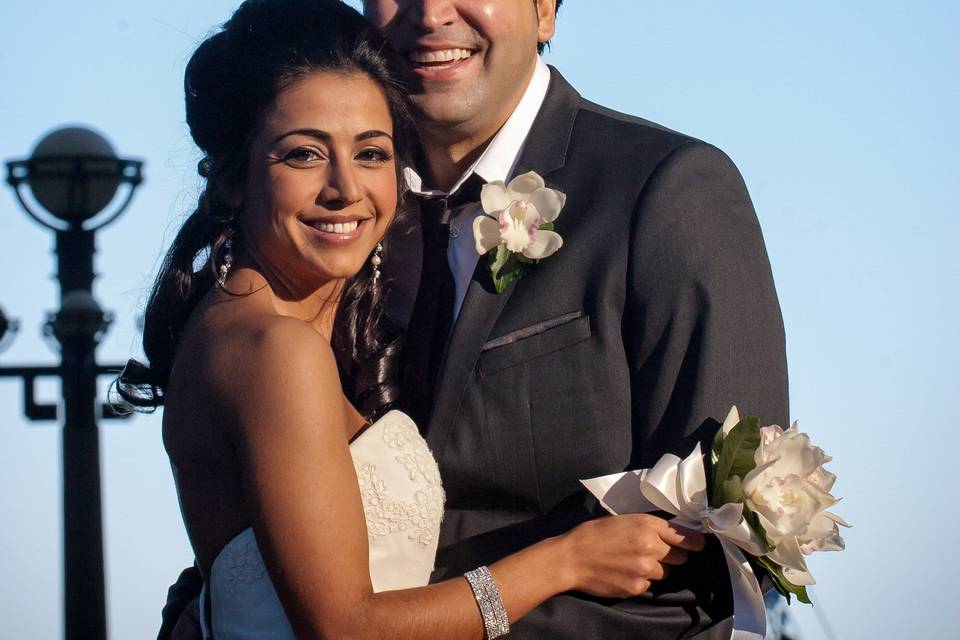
[467,61]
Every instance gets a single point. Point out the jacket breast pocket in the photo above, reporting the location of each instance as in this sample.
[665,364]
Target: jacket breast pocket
[533,341]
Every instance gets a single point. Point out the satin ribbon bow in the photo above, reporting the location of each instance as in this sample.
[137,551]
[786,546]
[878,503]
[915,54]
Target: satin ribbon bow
[679,487]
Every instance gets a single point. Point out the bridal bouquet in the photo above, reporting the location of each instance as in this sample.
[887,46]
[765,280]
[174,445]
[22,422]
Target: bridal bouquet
[767,497]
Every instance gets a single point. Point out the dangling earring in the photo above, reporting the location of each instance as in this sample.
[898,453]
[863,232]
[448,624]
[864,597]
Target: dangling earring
[376,260]
[227,262]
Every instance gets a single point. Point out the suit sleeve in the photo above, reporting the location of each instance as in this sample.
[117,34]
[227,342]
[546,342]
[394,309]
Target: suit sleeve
[703,325]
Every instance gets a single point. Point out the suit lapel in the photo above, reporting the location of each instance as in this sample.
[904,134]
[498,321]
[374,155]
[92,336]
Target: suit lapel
[545,149]
[481,308]
[544,152]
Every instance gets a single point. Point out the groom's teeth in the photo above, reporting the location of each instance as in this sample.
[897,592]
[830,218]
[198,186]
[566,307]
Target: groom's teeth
[441,55]
[337,227]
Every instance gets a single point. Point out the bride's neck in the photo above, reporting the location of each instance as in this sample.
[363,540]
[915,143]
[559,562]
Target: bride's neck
[315,305]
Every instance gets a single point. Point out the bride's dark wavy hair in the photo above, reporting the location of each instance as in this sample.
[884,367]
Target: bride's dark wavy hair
[231,80]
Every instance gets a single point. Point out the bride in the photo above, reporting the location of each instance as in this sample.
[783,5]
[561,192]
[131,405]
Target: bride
[314,509]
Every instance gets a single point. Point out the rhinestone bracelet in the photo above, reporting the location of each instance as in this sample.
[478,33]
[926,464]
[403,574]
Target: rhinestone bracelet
[488,599]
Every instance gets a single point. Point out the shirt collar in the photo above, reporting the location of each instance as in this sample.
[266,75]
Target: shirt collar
[499,159]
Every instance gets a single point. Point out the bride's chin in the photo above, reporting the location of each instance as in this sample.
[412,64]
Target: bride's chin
[339,268]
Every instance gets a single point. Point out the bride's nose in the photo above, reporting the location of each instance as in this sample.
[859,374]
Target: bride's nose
[341,188]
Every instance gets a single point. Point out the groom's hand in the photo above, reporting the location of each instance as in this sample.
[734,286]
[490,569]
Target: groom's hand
[619,556]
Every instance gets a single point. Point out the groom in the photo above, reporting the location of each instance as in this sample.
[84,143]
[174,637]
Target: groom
[656,315]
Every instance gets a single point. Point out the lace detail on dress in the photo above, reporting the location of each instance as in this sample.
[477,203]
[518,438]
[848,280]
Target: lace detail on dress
[386,514]
[242,565]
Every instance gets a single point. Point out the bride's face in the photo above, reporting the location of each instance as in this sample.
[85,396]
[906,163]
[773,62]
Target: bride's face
[321,183]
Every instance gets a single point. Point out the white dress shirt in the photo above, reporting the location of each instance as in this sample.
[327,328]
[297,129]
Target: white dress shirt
[497,162]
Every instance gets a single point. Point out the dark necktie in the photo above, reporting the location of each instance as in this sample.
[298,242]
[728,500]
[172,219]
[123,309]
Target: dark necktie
[432,317]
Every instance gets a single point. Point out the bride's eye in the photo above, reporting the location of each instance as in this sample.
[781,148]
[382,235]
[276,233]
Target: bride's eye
[373,156]
[302,156]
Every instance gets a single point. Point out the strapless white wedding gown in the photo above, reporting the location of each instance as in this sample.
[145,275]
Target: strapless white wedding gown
[403,506]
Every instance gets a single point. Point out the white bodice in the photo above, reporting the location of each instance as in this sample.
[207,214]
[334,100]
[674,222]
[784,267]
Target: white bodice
[403,505]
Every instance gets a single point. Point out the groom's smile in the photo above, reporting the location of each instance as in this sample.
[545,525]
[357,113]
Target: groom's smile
[426,62]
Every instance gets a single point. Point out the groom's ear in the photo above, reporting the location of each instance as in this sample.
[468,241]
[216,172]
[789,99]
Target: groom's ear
[546,21]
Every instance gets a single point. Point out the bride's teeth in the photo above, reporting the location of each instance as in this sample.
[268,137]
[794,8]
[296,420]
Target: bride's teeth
[337,227]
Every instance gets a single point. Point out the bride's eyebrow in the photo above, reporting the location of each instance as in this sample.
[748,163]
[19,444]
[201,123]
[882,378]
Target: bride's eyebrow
[373,133]
[320,134]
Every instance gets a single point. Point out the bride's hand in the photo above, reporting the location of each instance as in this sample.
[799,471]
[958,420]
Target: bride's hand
[619,556]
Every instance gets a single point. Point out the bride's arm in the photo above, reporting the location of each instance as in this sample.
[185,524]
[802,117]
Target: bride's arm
[291,437]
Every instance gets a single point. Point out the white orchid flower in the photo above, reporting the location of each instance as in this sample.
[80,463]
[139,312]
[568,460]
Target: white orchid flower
[514,214]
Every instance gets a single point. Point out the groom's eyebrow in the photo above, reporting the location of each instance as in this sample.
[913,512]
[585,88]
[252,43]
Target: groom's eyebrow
[320,134]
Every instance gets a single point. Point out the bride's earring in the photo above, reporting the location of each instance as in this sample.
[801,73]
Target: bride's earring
[376,260]
[227,262]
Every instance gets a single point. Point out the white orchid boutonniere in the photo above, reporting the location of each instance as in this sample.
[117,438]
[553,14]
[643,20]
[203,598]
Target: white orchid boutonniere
[518,223]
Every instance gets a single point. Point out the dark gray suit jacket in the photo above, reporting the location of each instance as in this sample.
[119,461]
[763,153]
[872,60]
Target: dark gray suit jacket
[632,341]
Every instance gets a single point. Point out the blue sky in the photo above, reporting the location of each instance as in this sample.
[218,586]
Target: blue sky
[842,118]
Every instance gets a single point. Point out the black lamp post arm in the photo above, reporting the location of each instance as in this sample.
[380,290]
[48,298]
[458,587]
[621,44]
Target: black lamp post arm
[29,375]
[38,412]
[18,175]
[132,173]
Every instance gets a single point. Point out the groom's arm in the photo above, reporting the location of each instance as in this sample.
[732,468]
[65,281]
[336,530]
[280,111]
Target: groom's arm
[703,331]
[703,328]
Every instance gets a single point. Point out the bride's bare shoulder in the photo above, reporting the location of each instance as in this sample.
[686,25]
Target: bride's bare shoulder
[267,349]
[233,356]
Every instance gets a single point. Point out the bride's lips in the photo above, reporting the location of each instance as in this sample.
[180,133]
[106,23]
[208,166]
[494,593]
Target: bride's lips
[336,230]
[439,62]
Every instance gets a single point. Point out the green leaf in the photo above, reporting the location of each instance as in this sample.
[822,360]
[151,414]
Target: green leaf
[732,490]
[754,521]
[736,454]
[505,268]
[501,283]
[499,259]
[784,586]
[546,226]
[715,448]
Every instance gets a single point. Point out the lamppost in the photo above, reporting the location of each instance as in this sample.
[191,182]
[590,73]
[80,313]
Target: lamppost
[73,174]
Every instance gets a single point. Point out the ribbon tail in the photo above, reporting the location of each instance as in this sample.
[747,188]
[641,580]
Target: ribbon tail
[619,493]
[599,487]
[749,613]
